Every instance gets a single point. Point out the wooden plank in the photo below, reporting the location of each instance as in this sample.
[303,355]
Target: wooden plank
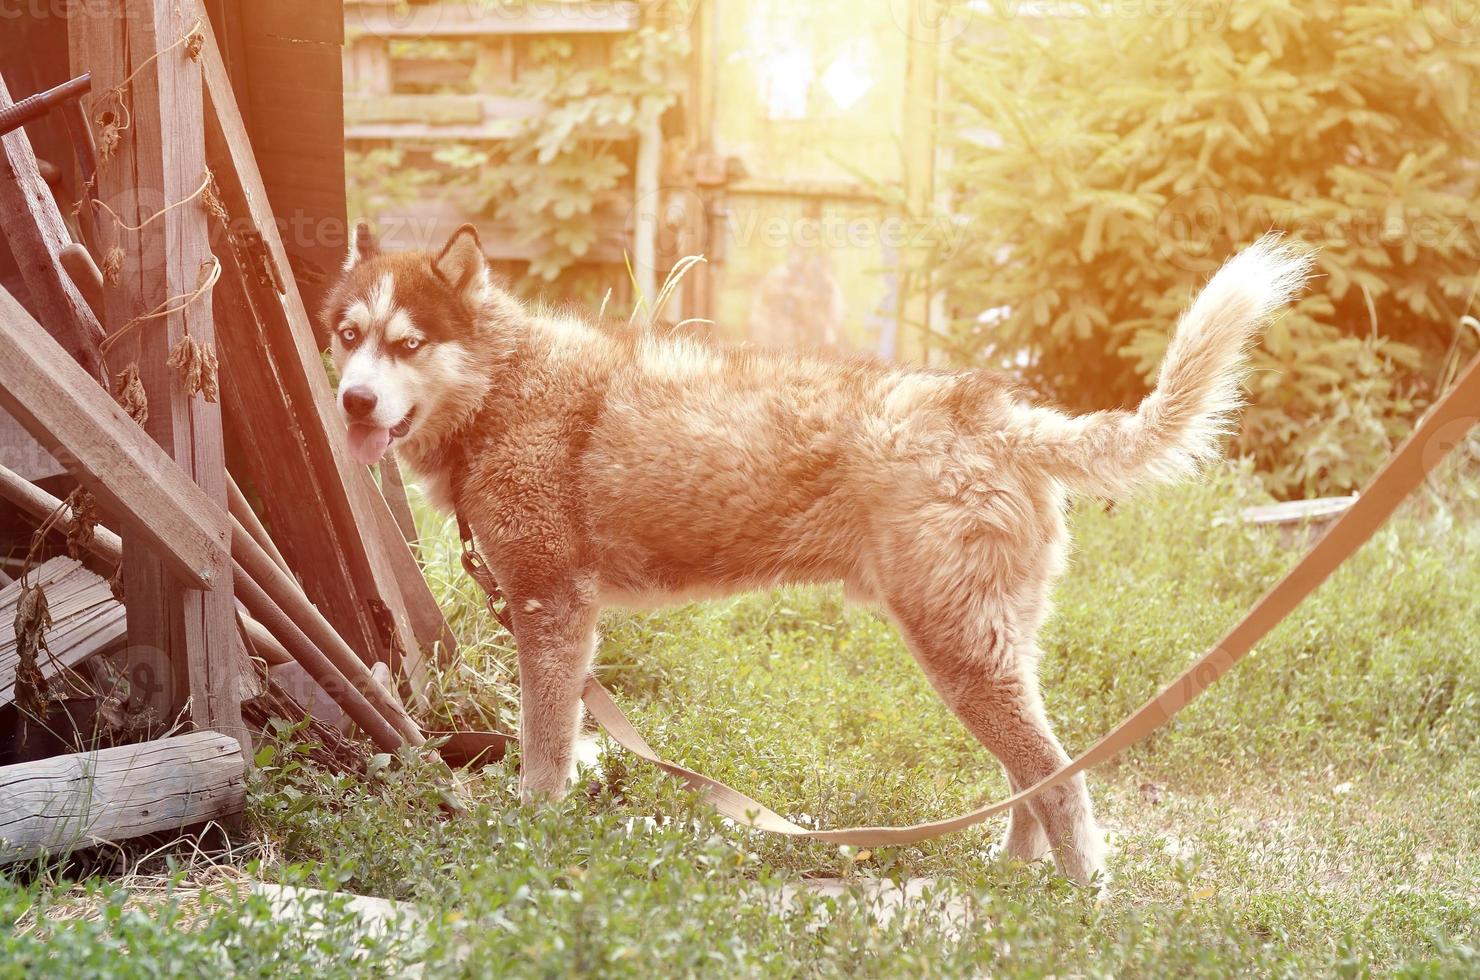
[113,794]
[500,117]
[433,110]
[427,224]
[492,131]
[274,458]
[160,162]
[393,488]
[489,19]
[136,484]
[431,72]
[300,21]
[86,620]
[294,59]
[363,528]
[34,228]
[32,500]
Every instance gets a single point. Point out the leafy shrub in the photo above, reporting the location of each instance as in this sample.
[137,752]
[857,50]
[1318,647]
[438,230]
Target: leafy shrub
[1108,158]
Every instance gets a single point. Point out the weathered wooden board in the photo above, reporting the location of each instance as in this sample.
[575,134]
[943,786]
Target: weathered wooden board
[428,224]
[86,620]
[136,484]
[293,102]
[158,169]
[91,798]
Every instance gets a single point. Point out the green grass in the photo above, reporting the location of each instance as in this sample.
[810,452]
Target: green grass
[1319,810]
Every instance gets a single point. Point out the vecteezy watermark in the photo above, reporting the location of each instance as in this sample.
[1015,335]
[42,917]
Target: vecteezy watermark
[62,9]
[685,226]
[935,21]
[137,689]
[1197,228]
[753,226]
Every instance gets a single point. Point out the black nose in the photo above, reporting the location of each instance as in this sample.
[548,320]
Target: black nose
[359,401]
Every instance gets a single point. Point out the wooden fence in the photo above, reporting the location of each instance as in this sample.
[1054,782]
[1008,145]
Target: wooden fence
[426,77]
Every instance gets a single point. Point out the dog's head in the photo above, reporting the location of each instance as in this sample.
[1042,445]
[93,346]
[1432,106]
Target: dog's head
[405,328]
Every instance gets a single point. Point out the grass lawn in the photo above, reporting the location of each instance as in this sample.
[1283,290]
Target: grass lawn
[1316,813]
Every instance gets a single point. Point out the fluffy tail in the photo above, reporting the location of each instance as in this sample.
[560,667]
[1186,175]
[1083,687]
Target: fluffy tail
[1197,392]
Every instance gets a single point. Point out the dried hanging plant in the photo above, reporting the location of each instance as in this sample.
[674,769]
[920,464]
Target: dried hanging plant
[32,620]
[113,265]
[197,366]
[130,394]
[84,520]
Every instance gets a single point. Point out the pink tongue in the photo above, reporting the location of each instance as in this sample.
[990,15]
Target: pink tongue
[367,443]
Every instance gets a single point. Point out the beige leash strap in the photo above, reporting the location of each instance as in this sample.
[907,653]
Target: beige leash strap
[1440,431]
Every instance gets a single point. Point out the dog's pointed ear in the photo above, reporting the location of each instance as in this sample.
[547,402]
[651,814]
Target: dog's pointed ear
[462,263]
[362,245]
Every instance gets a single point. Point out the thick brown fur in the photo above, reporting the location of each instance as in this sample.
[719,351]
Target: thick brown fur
[602,467]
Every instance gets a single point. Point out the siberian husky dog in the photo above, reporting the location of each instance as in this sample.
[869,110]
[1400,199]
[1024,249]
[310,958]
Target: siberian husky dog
[598,466]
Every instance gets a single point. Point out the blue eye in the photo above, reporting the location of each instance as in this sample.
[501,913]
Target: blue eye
[411,344]
[349,335]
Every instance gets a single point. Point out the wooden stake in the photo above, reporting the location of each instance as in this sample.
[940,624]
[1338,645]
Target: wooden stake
[152,178]
[242,512]
[319,666]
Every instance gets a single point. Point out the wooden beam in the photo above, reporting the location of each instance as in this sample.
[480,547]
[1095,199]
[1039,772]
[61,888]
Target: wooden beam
[40,505]
[153,179]
[367,542]
[37,235]
[91,798]
[86,620]
[135,483]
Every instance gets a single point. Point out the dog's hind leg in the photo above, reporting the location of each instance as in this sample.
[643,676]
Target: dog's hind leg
[984,674]
[555,629]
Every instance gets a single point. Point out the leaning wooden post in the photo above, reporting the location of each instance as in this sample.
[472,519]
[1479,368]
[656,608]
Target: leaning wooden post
[32,224]
[369,565]
[146,109]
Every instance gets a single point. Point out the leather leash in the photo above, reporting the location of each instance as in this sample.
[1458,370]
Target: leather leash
[1443,428]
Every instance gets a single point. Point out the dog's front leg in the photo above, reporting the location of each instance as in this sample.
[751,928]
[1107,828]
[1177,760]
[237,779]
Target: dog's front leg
[555,629]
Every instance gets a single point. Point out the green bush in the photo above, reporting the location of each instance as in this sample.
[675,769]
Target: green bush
[1106,161]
